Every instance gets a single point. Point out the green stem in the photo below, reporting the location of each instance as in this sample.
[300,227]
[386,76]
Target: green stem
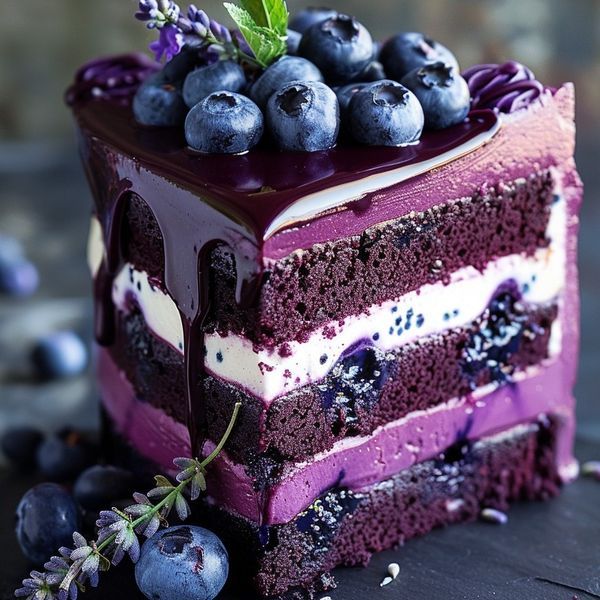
[219,446]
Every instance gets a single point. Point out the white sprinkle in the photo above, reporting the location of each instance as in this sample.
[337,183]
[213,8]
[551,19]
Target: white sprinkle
[394,570]
[386,581]
[591,468]
[326,598]
[491,515]
[454,504]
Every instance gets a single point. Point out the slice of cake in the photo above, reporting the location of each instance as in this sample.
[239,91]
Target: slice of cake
[399,324]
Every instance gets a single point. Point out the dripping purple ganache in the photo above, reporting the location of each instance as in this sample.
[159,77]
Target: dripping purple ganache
[202,201]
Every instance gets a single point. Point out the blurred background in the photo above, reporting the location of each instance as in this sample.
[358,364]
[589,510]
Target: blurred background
[44,200]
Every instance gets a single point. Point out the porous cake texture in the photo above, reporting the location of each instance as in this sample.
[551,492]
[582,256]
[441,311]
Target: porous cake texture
[400,325]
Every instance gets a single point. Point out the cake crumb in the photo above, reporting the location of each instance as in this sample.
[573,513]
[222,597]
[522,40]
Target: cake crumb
[393,570]
[386,581]
[492,515]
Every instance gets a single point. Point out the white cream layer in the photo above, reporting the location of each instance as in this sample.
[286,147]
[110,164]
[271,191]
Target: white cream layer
[432,309]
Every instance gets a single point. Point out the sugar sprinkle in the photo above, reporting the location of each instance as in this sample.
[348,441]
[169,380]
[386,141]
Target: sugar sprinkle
[386,581]
[492,515]
[393,570]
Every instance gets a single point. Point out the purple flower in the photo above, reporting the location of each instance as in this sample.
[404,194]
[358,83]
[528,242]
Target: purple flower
[157,13]
[169,42]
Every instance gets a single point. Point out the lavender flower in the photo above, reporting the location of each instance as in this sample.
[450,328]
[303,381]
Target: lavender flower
[36,587]
[199,24]
[126,541]
[157,13]
[169,42]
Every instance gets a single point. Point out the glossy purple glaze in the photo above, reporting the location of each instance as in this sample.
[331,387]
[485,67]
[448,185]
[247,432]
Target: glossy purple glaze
[507,87]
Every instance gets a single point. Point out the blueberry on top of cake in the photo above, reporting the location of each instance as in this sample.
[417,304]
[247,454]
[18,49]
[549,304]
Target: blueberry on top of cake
[371,249]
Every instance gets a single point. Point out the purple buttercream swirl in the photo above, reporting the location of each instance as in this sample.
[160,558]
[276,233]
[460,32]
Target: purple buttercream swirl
[507,87]
[116,78]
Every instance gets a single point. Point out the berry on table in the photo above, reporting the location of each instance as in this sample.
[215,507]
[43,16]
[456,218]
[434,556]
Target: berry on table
[47,516]
[20,445]
[159,103]
[385,113]
[224,123]
[304,116]
[225,75]
[340,46]
[184,562]
[18,276]
[286,69]
[59,354]
[407,51]
[101,485]
[63,456]
[442,92]
[307,17]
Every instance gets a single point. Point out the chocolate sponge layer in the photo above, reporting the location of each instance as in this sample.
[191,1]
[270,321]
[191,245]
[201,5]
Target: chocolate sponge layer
[331,281]
[363,391]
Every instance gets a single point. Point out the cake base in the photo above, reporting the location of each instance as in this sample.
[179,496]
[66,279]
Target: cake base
[293,561]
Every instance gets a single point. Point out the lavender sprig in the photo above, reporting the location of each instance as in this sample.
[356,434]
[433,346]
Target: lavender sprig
[67,574]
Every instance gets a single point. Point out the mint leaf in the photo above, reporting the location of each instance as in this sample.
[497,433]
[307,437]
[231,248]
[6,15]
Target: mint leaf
[266,44]
[272,14]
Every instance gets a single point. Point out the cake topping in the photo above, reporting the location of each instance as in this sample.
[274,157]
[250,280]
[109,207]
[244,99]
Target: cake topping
[340,46]
[385,113]
[443,94]
[224,123]
[224,75]
[507,87]
[304,115]
[407,51]
[312,15]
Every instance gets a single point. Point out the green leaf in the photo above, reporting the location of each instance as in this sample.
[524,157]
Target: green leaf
[266,44]
[272,14]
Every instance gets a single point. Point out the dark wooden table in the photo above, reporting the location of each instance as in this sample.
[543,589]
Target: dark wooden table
[546,551]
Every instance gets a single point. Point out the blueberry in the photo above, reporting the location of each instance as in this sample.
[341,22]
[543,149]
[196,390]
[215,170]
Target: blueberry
[59,354]
[20,444]
[100,485]
[286,69]
[442,92]
[224,123]
[159,103]
[340,46]
[372,72]
[307,17]
[385,113]
[62,456]
[407,51]
[346,93]
[184,562]
[47,516]
[188,59]
[293,41]
[225,75]
[305,116]
[18,276]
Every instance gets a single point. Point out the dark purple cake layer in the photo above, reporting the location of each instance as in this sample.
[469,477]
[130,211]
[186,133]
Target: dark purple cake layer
[346,277]
[344,528]
[366,388]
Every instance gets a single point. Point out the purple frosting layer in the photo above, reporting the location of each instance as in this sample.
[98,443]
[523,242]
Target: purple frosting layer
[507,87]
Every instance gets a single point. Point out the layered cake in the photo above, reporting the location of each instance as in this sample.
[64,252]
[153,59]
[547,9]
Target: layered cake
[398,321]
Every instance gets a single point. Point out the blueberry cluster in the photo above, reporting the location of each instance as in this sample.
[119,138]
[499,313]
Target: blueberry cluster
[334,78]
